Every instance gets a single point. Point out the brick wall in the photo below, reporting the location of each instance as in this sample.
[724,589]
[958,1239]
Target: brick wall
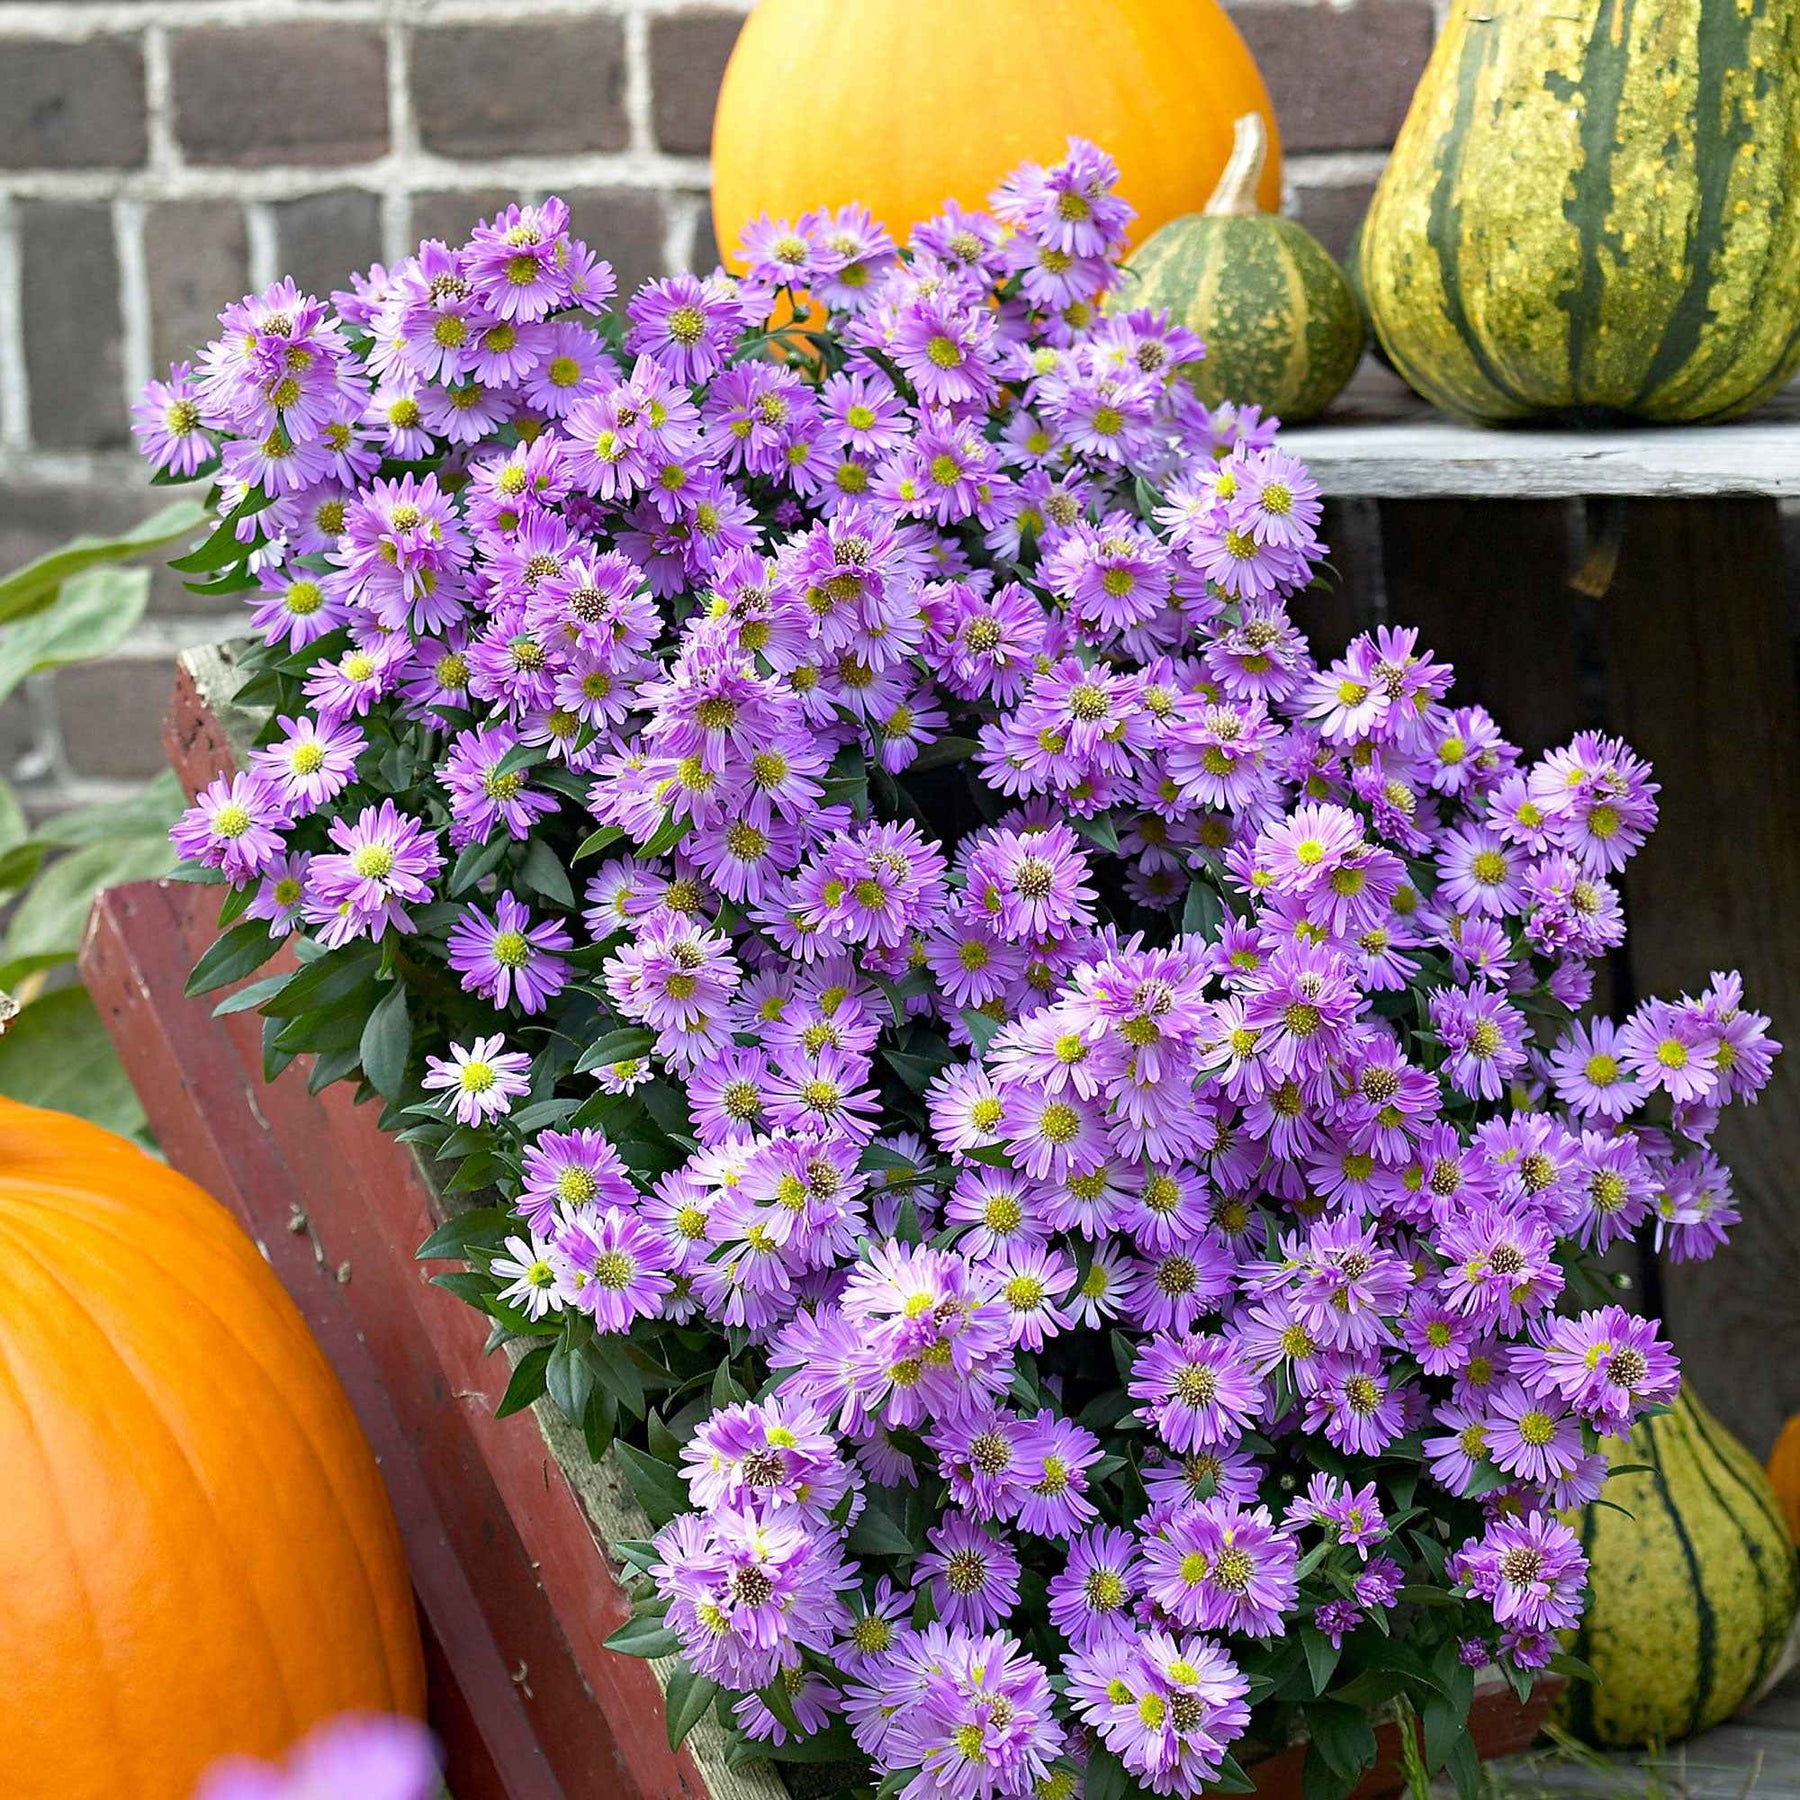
[159,157]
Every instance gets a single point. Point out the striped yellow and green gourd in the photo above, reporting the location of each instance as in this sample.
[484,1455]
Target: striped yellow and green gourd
[1590,211]
[1279,320]
[1693,1594]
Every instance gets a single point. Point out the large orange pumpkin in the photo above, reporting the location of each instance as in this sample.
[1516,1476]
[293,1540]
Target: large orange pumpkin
[196,1551]
[1784,1473]
[903,103]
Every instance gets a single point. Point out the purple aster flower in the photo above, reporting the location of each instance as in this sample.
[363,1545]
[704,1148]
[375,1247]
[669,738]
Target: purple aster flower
[479,1082]
[1530,1436]
[235,824]
[518,261]
[350,1757]
[1356,1404]
[1055,1455]
[1607,1366]
[1483,1039]
[280,894]
[1094,1595]
[1500,1265]
[1348,1515]
[167,424]
[1336,1619]
[974,1576]
[385,862]
[1168,1707]
[765,1457]
[310,763]
[687,323]
[1588,1072]
[1219,1566]
[503,955]
[747,1594]
[566,1171]
[1531,1571]
[483,795]
[1197,1390]
[611,1267]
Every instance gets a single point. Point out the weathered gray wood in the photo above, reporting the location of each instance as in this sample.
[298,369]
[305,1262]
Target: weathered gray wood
[1700,670]
[1381,442]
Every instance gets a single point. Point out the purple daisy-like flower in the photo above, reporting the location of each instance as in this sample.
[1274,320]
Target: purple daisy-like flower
[611,1267]
[479,1082]
[167,423]
[1531,1571]
[1223,1567]
[688,323]
[504,957]
[974,1576]
[235,824]
[764,1457]
[1607,1366]
[1196,1391]
[385,862]
[351,1757]
[311,762]
[1530,1436]
[1093,1596]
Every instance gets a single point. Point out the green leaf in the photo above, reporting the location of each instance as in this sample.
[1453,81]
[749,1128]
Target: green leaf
[596,841]
[92,615]
[53,914]
[981,1029]
[223,549]
[1097,830]
[251,997]
[660,1490]
[328,978]
[35,585]
[665,837]
[13,827]
[477,861]
[1231,1778]
[1321,1658]
[528,1377]
[918,1072]
[385,1043]
[569,1380]
[617,1046]
[545,875]
[879,1533]
[646,1635]
[1106,1777]
[941,752]
[832,1745]
[240,952]
[1202,910]
[618,1375]
[56,1053]
[480,1228]
[685,1701]
[1341,1734]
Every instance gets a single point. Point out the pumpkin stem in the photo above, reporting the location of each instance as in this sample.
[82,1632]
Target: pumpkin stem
[1236,192]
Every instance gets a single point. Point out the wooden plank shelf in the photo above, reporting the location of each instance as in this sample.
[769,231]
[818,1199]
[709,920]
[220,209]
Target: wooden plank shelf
[1380,441]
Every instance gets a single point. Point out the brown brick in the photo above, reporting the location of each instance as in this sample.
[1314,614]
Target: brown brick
[303,93]
[688,53]
[1341,77]
[197,258]
[1332,214]
[111,714]
[320,239]
[73,352]
[452,216]
[624,225]
[37,517]
[521,89]
[71,106]
[705,254]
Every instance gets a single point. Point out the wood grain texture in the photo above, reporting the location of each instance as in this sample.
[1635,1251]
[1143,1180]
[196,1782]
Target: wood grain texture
[1486,584]
[1701,675]
[1382,443]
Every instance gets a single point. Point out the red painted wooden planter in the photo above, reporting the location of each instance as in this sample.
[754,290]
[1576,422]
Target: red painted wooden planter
[504,1520]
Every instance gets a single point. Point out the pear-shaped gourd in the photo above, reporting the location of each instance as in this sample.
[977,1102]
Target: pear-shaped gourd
[1589,211]
[1279,320]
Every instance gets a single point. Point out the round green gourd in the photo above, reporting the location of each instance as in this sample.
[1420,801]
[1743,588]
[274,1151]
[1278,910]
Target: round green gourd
[1589,211]
[1279,320]
[1693,1595]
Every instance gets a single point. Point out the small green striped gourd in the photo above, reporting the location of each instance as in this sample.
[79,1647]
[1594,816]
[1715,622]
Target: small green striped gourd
[1590,212]
[1280,323]
[1693,1595]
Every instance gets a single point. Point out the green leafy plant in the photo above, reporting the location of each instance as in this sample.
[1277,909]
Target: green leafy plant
[72,605]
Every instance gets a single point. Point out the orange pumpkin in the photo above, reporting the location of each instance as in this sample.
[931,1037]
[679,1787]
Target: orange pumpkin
[904,103]
[1784,1473]
[197,1555]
